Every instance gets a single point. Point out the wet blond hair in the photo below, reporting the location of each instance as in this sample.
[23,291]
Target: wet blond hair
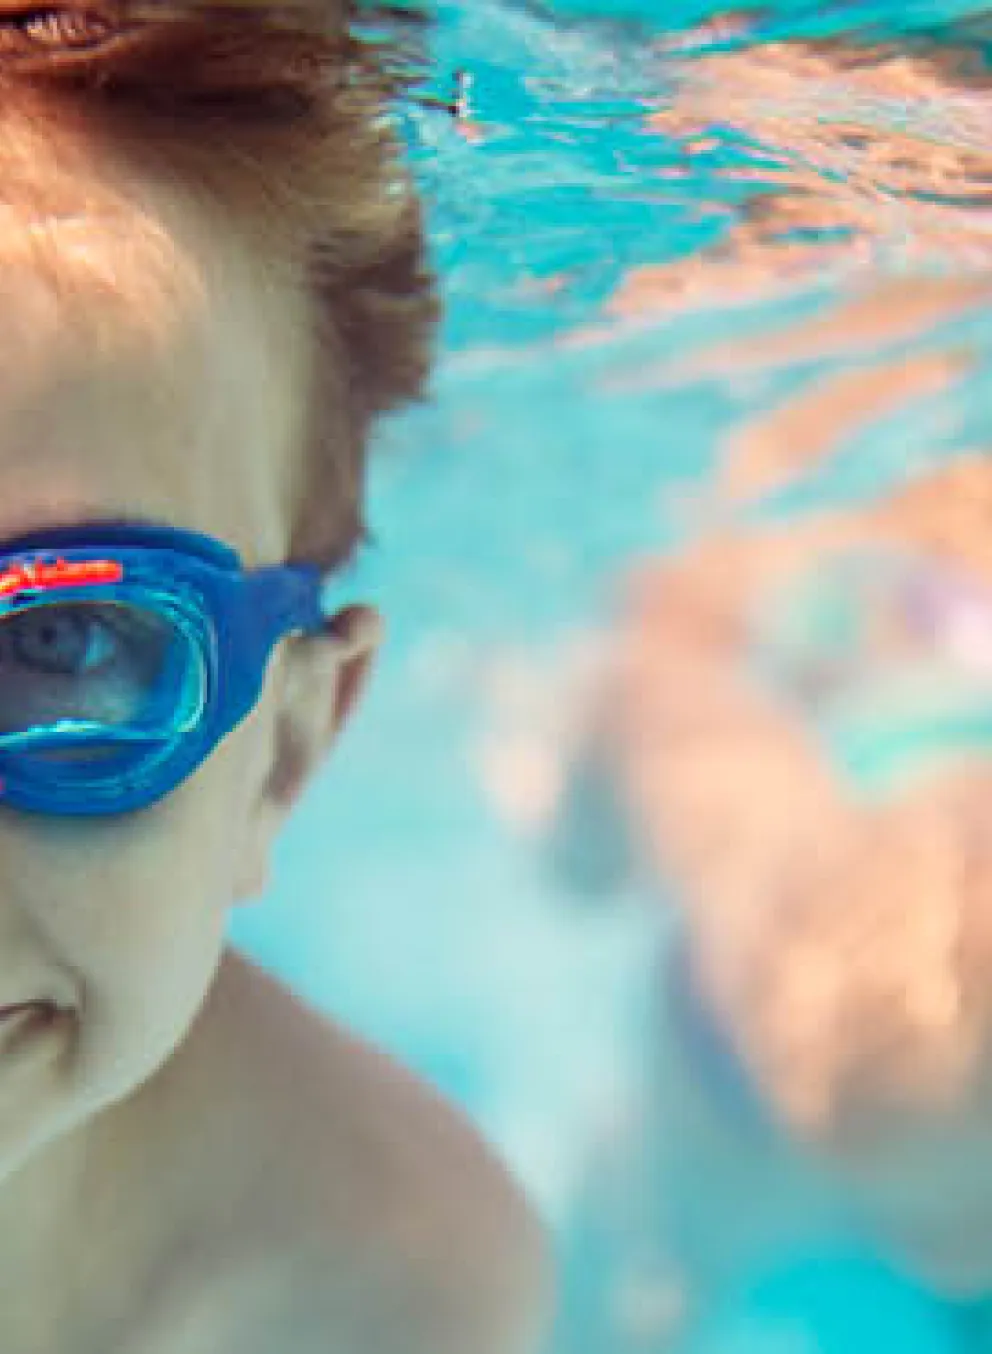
[276,117]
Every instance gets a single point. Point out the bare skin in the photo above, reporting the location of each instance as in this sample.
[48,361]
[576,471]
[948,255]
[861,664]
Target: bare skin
[277,1159]
[191,1159]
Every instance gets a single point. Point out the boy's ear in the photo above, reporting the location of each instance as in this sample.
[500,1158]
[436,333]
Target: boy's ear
[322,679]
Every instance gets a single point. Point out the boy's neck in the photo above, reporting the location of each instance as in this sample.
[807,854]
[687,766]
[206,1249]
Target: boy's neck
[88,1222]
[80,1222]
[45,1242]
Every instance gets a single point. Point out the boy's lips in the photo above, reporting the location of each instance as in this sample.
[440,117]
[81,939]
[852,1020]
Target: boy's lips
[33,1004]
[20,1021]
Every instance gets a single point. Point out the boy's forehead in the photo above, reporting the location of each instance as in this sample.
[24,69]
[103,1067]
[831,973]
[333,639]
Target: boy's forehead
[142,358]
[89,284]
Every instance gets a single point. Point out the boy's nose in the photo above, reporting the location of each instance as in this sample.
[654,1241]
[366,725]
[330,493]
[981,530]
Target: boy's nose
[30,978]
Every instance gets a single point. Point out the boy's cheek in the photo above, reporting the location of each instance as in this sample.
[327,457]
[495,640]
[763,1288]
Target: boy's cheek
[232,796]
[253,866]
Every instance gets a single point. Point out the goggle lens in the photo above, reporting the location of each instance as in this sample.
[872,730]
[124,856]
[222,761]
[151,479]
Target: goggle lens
[80,678]
[127,652]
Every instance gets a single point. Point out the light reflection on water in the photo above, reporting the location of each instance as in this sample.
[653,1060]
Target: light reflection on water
[718,297]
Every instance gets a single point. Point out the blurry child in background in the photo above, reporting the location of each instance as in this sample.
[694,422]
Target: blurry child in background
[789,741]
[793,725]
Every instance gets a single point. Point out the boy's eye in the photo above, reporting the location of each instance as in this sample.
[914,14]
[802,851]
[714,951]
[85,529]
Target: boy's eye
[74,640]
[80,661]
[53,28]
[58,640]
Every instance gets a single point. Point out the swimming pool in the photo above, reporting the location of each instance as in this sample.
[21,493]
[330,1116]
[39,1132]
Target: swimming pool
[651,238]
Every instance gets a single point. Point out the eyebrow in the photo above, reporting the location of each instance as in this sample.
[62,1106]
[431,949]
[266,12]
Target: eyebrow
[43,526]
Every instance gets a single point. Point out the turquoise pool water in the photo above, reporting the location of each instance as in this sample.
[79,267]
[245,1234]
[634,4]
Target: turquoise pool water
[632,223]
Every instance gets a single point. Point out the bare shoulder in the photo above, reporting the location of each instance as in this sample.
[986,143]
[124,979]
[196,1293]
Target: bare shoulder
[370,1215]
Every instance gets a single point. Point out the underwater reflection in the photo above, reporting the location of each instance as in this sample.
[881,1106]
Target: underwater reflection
[859,153]
[837,162]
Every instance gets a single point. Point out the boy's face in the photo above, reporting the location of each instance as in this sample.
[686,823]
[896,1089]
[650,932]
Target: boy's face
[186,411]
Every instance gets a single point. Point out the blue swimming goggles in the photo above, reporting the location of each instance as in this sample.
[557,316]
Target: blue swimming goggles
[127,652]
